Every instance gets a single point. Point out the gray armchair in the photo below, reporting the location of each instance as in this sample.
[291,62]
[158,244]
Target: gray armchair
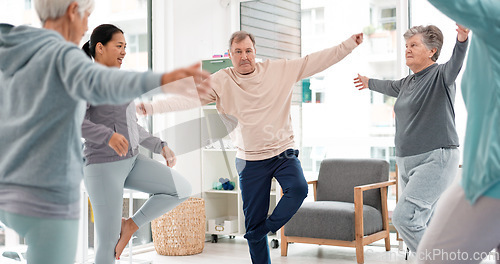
[350,207]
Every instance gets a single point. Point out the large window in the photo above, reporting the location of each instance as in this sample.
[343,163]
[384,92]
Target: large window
[388,18]
[348,122]
[313,21]
[18,12]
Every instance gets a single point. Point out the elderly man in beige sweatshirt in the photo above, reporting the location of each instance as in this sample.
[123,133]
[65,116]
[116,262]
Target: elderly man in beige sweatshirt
[254,99]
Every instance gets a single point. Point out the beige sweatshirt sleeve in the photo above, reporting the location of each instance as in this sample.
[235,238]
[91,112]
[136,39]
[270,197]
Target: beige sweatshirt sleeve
[321,60]
[188,100]
[209,98]
[174,103]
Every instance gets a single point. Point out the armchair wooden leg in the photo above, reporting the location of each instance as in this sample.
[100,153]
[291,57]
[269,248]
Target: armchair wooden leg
[360,254]
[385,218]
[358,224]
[284,243]
[388,242]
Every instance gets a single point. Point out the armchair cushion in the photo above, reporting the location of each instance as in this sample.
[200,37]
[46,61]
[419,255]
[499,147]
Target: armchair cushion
[338,177]
[331,220]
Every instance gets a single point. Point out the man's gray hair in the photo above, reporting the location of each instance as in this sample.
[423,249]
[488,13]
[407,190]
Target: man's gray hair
[238,36]
[432,37]
[52,9]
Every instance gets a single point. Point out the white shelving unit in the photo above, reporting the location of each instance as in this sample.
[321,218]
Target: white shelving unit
[215,165]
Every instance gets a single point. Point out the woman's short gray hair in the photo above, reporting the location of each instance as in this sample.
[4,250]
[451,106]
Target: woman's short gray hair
[51,9]
[432,37]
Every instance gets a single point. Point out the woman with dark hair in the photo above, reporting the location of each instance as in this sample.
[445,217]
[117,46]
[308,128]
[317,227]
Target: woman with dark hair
[112,139]
[426,139]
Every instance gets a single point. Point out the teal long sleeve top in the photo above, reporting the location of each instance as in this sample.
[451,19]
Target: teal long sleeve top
[481,93]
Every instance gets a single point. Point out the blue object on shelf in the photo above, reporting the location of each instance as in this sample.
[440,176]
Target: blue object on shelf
[224,184]
[223,180]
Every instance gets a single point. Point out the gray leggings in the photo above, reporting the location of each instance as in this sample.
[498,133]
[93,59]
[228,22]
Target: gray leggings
[105,183]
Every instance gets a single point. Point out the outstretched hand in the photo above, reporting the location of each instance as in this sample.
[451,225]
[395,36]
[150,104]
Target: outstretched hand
[201,79]
[361,82]
[463,33]
[144,109]
[358,38]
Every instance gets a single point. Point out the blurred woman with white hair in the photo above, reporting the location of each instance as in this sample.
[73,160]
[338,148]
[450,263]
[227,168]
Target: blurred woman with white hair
[45,82]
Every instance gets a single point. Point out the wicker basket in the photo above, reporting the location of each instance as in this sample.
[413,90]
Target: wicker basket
[181,231]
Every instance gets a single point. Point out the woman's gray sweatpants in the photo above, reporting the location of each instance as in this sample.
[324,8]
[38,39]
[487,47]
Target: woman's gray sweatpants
[105,183]
[423,178]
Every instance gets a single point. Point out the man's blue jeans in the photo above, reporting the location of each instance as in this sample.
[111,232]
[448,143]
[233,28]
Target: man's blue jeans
[255,184]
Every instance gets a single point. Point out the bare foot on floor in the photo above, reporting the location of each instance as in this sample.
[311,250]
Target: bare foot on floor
[128,229]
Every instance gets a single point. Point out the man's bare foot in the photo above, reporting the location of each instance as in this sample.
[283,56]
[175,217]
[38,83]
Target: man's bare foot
[128,229]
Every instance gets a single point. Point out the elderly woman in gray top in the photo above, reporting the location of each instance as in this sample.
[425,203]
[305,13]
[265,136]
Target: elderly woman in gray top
[426,139]
[45,82]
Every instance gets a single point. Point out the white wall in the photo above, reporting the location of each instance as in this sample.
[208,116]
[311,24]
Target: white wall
[186,32]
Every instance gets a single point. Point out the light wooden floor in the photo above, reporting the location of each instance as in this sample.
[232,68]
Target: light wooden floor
[235,251]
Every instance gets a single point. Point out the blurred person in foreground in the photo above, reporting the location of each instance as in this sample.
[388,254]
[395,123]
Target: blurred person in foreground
[465,226]
[45,82]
